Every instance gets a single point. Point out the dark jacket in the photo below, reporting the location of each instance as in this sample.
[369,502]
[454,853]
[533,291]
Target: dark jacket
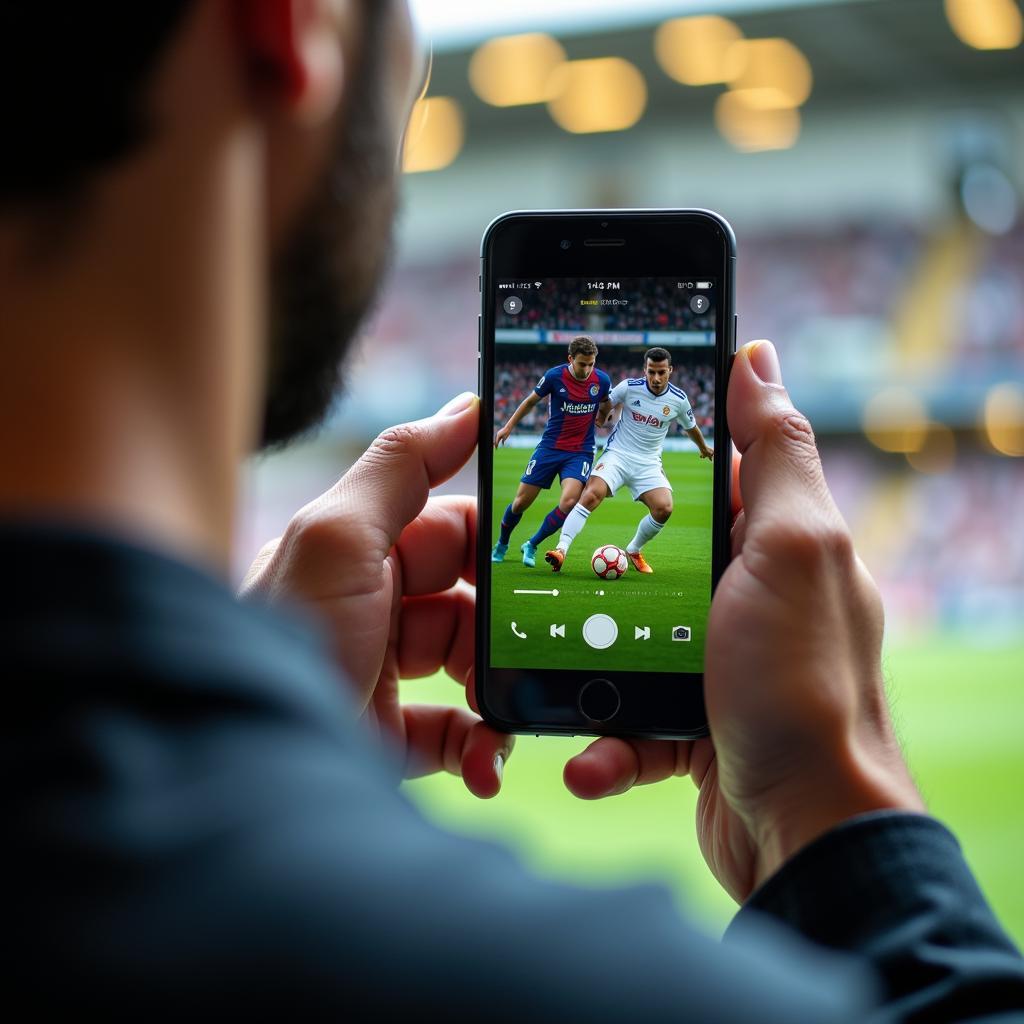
[195,823]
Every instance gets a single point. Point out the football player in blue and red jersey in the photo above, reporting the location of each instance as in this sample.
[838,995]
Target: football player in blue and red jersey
[577,390]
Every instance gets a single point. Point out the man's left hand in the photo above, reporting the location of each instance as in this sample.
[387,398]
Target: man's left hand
[391,572]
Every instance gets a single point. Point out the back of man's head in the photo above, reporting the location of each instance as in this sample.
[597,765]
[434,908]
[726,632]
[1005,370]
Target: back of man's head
[72,91]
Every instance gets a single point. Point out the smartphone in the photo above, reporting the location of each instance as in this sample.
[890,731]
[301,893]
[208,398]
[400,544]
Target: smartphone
[603,527]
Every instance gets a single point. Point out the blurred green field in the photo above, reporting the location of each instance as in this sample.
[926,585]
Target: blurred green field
[677,594]
[958,710]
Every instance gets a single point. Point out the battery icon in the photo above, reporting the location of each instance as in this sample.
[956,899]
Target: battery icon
[703,285]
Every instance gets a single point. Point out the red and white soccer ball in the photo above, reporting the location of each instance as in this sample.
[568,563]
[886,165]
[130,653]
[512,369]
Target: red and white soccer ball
[609,562]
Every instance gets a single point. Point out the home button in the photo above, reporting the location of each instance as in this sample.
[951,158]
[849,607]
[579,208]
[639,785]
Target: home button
[599,700]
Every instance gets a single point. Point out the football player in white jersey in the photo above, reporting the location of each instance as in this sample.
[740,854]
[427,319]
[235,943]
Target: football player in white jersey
[632,455]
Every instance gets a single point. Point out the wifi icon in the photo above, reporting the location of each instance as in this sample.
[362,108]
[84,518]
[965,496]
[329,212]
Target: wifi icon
[537,284]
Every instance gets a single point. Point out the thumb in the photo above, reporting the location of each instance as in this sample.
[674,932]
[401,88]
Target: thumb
[389,484]
[780,471]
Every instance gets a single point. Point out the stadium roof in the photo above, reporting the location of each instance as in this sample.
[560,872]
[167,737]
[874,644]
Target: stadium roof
[452,24]
[861,51]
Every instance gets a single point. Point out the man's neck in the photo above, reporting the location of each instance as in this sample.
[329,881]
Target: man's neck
[94,446]
[131,371]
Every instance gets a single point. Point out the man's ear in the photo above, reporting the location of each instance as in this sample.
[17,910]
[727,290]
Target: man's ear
[298,51]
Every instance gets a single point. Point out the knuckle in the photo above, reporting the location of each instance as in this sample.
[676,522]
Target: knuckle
[396,441]
[312,533]
[811,548]
[793,429]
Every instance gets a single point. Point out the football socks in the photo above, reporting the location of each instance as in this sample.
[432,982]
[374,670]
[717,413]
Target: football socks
[509,521]
[552,523]
[648,529]
[574,522]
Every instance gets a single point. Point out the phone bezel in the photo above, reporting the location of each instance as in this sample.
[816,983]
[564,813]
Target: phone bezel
[657,243]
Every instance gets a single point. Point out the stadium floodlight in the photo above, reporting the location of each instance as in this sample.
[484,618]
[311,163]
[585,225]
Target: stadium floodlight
[771,73]
[694,51]
[513,71]
[605,94]
[986,24]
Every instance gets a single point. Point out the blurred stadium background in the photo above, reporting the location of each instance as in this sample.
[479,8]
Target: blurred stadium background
[869,154]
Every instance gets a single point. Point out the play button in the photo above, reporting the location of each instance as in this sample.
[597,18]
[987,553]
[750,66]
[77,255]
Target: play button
[600,631]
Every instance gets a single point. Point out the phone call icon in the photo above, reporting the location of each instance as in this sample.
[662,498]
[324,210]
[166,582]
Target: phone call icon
[518,632]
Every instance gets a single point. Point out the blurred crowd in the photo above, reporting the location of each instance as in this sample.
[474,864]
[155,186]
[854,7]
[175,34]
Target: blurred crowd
[990,311]
[514,380]
[947,548]
[835,302]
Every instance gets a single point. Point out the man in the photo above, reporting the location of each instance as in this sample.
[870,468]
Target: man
[199,817]
[566,448]
[632,456]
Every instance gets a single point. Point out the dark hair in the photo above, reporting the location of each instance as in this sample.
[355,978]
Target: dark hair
[72,90]
[657,355]
[582,346]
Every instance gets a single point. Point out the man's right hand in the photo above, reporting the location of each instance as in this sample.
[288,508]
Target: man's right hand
[502,435]
[801,734]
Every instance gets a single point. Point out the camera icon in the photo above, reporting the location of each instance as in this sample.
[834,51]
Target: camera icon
[681,633]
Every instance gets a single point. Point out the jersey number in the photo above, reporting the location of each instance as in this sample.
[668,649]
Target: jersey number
[586,469]
[529,467]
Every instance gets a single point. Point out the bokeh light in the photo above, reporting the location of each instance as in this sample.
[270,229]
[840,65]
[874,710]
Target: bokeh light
[606,94]
[895,420]
[989,198]
[515,70]
[937,453]
[1003,419]
[693,51]
[434,136]
[773,73]
[986,24]
[753,129]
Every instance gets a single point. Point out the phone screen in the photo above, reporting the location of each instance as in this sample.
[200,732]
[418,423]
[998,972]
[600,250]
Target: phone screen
[605,475]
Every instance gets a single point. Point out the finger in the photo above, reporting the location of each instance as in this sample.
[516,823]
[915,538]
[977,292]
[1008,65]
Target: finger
[701,758]
[388,485]
[738,533]
[735,494]
[251,583]
[610,765]
[439,545]
[456,741]
[780,473]
[437,632]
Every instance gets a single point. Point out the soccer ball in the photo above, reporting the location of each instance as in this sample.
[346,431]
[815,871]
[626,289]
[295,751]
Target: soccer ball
[609,562]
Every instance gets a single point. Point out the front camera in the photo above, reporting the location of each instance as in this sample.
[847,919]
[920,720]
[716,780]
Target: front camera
[566,243]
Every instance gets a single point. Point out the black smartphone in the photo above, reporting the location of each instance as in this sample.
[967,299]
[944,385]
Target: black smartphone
[605,342]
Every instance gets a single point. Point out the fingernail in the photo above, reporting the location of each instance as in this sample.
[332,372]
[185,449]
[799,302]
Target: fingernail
[460,403]
[764,361]
[499,766]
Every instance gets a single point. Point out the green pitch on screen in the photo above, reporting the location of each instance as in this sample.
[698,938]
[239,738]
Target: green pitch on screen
[677,594]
